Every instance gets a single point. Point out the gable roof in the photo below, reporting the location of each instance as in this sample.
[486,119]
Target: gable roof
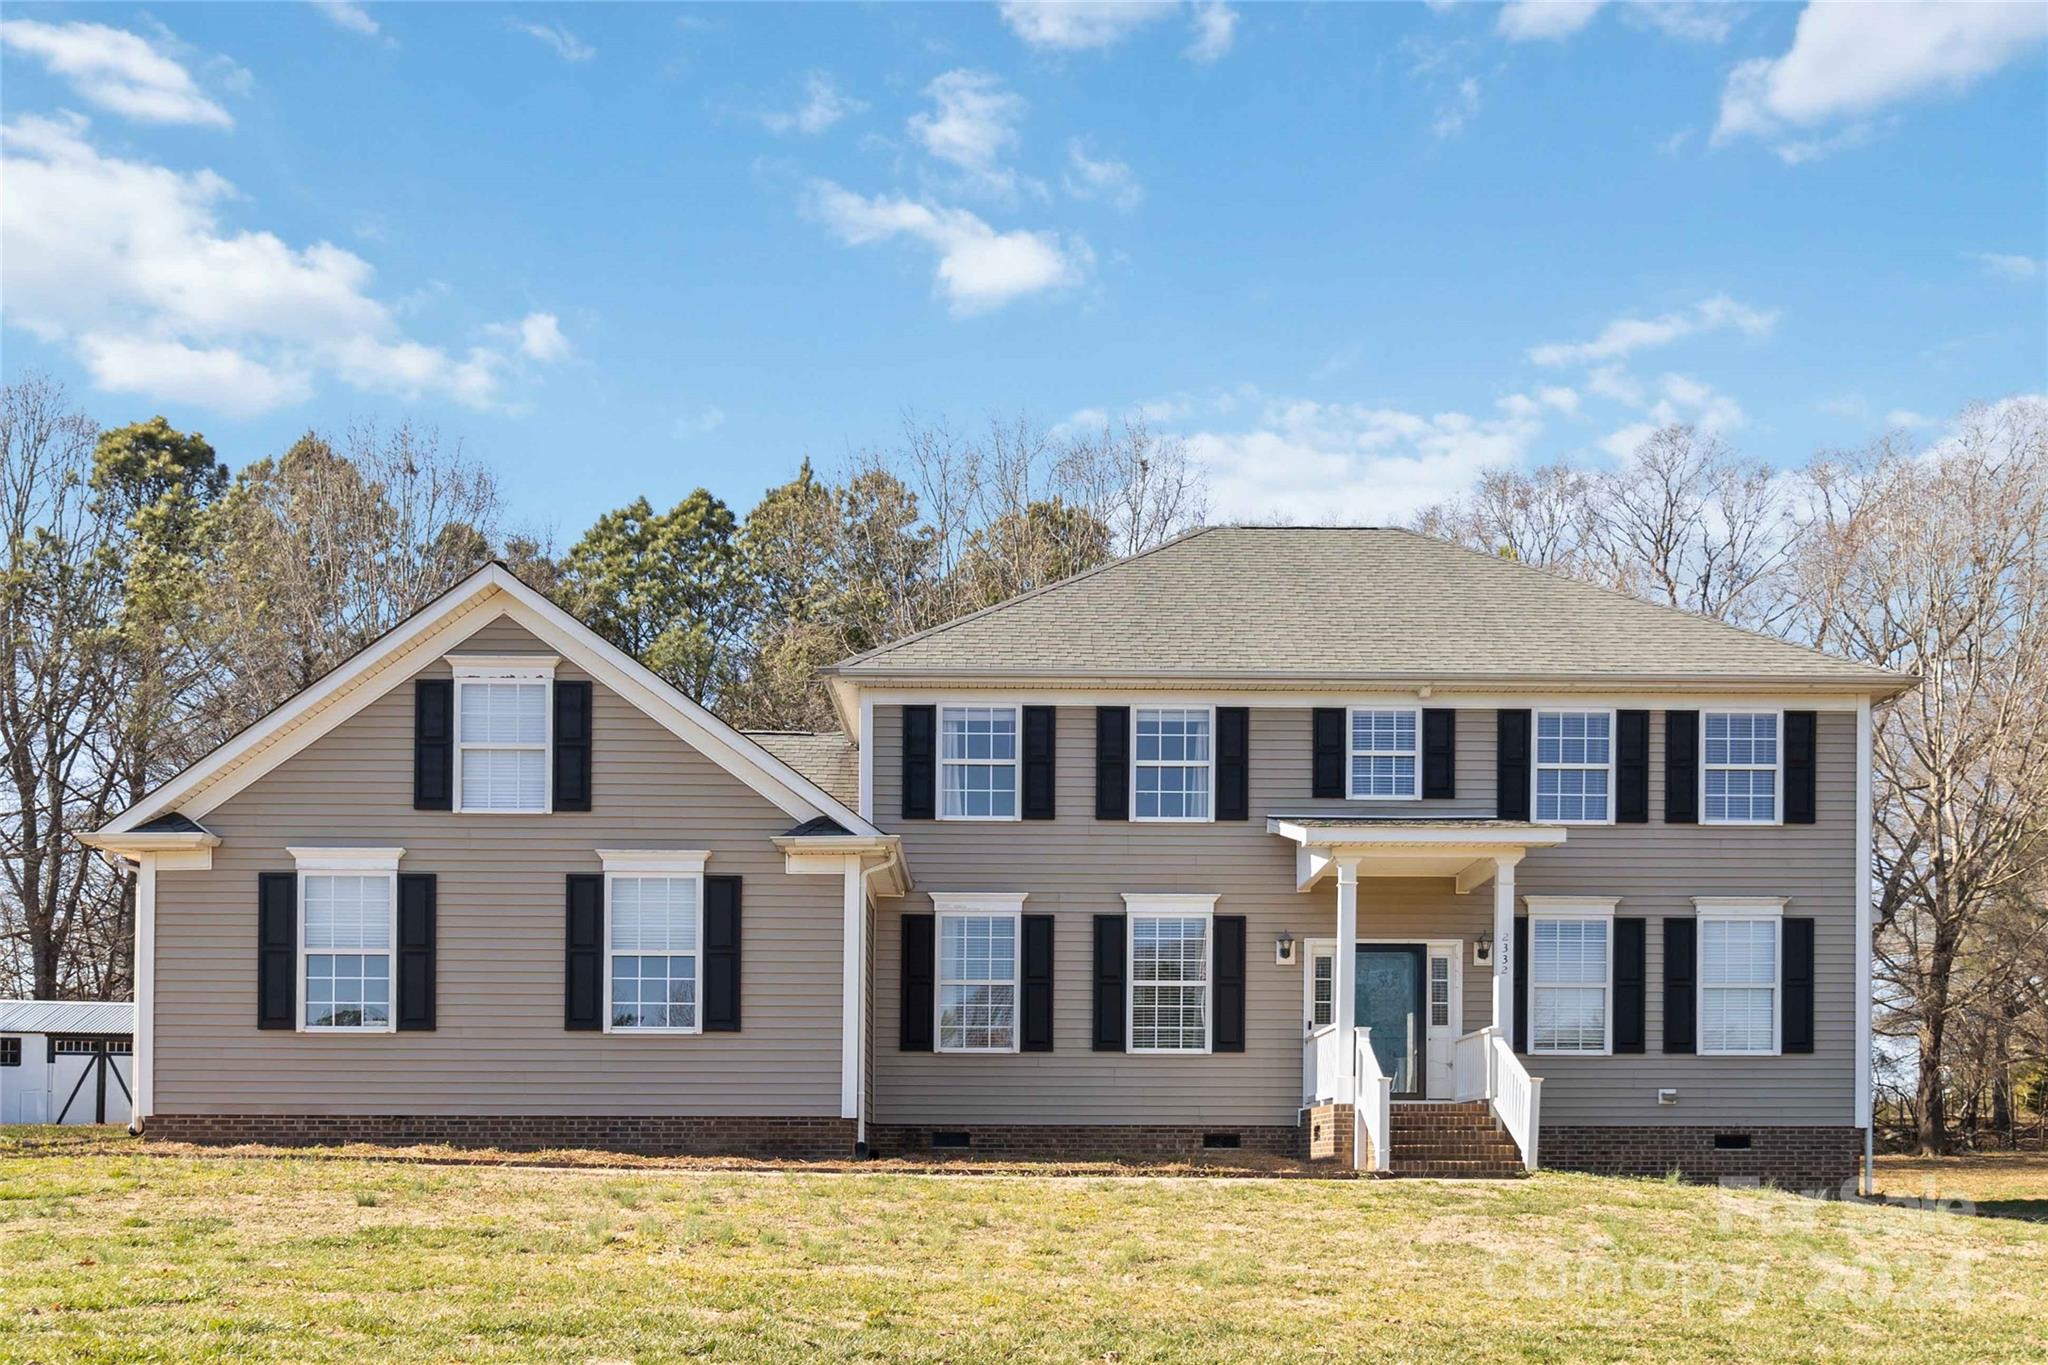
[1345,604]
[828,759]
[490,592]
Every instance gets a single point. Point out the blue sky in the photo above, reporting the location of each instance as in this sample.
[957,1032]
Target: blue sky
[1352,254]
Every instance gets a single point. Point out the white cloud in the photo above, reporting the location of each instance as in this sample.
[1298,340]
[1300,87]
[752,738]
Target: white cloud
[1627,440]
[1615,384]
[1626,335]
[540,338]
[700,423]
[978,268]
[1565,400]
[824,105]
[1531,20]
[1107,178]
[1451,119]
[127,264]
[1848,61]
[1215,31]
[1686,399]
[1079,25]
[2021,269]
[972,126]
[349,15]
[116,70]
[567,45]
[1695,23]
[1905,419]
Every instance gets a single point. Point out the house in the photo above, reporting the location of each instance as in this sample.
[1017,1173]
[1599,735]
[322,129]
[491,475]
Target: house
[66,1061]
[1343,843]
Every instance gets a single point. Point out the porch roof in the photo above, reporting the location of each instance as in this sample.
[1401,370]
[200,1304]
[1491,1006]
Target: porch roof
[1468,850]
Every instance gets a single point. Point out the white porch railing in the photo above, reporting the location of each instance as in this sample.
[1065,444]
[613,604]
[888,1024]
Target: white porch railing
[1372,1109]
[1484,1067]
[1321,1051]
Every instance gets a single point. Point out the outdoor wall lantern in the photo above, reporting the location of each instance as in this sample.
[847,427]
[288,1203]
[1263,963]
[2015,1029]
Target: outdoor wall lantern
[1482,950]
[1283,949]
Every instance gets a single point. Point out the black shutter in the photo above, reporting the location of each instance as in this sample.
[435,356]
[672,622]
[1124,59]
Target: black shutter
[1682,769]
[1110,953]
[1632,767]
[920,762]
[417,931]
[1439,754]
[1035,1034]
[1233,762]
[1228,1017]
[572,746]
[1681,940]
[433,744]
[1326,772]
[583,980]
[1511,765]
[1795,1022]
[1630,984]
[1801,760]
[1520,1041]
[1041,739]
[277,949]
[1112,762]
[721,954]
[914,1020]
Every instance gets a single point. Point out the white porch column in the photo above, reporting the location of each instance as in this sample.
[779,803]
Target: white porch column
[1343,979]
[1504,943]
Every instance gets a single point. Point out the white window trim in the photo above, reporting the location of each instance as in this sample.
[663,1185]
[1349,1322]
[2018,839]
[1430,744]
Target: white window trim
[1351,754]
[490,668]
[345,862]
[653,862]
[1155,905]
[1132,796]
[1537,766]
[1739,908]
[1778,782]
[978,905]
[1573,908]
[1016,763]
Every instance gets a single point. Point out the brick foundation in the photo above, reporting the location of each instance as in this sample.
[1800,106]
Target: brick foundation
[1791,1158]
[653,1135]
[1081,1142]
[1328,1129]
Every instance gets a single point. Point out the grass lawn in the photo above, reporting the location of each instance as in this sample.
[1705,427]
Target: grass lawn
[110,1254]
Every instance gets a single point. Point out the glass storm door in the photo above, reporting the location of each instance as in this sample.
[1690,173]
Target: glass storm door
[1390,981]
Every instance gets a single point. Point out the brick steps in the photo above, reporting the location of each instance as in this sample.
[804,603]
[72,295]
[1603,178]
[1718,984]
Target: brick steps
[1452,1141]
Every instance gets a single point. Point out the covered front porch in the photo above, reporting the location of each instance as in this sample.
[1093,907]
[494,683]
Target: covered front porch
[1384,1016]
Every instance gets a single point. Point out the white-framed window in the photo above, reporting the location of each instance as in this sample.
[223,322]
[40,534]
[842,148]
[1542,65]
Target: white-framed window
[348,926]
[1574,774]
[653,940]
[1439,990]
[978,763]
[1171,947]
[1740,767]
[1323,988]
[504,728]
[1386,753]
[1172,762]
[980,949]
[1571,976]
[1741,955]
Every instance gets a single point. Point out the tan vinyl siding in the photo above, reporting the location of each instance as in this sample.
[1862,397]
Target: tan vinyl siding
[1076,866]
[499,1047]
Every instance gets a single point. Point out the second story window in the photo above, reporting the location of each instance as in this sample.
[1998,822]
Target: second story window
[501,736]
[978,763]
[1384,754]
[1171,762]
[1574,767]
[1740,771]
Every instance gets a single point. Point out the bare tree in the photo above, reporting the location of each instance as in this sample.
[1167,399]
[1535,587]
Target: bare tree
[1546,517]
[1145,489]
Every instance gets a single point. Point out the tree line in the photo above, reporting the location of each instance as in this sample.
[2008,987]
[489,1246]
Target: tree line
[154,602]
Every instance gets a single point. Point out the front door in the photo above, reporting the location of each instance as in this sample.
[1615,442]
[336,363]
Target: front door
[1390,1003]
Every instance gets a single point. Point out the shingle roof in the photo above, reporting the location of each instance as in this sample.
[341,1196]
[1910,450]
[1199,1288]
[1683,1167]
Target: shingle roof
[67,1016]
[174,823]
[1344,603]
[830,760]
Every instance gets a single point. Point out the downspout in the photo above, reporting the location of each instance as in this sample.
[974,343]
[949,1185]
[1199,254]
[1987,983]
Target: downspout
[860,1090]
[144,972]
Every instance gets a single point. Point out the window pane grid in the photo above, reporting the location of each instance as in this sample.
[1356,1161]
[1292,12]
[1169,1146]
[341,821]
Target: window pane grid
[347,950]
[1568,985]
[1740,772]
[1170,983]
[977,983]
[1325,1009]
[1383,753]
[1574,753]
[654,951]
[504,739]
[978,762]
[1170,774]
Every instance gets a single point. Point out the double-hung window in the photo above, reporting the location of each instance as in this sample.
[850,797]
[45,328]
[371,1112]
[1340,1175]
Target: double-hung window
[1385,753]
[1574,767]
[348,922]
[1571,975]
[1739,771]
[1169,972]
[654,935]
[1739,976]
[1171,762]
[978,762]
[977,973]
[503,727]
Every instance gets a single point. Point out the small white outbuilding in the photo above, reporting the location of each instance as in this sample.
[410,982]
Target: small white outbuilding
[67,1061]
